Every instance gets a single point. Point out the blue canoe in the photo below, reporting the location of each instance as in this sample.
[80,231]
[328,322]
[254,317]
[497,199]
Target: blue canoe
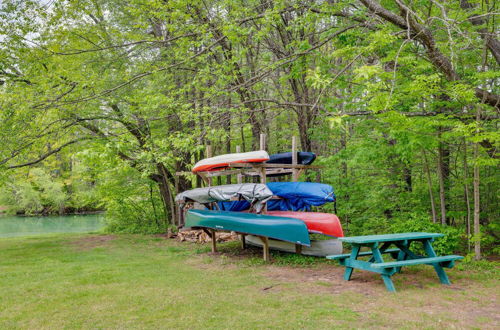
[280,228]
[303,158]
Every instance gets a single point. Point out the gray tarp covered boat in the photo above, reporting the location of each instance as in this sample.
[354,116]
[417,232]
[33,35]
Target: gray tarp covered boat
[256,194]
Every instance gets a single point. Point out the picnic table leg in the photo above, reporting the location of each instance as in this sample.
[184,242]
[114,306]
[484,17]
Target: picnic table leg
[354,256]
[437,267]
[388,283]
[402,255]
[377,256]
[384,247]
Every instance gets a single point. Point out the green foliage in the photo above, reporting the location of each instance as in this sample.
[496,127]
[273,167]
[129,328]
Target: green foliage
[131,92]
[51,189]
[38,193]
[412,222]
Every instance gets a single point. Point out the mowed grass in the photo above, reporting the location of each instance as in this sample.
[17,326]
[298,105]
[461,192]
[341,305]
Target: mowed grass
[76,281]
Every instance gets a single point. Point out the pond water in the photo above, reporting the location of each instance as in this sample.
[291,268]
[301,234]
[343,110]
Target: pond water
[14,226]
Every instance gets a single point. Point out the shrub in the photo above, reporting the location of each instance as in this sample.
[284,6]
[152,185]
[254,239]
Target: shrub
[420,223]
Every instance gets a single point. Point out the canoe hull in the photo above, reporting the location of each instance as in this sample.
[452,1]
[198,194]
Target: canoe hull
[280,228]
[221,162]
[304,158]
[316,222]
[317,248]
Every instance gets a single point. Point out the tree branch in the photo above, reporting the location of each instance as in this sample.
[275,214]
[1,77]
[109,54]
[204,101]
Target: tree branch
[49,153]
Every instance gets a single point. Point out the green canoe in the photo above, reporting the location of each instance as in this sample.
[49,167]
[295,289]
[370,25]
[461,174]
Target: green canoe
[281,228]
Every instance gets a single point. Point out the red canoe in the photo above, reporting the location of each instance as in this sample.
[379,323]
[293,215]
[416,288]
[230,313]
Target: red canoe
[316,222]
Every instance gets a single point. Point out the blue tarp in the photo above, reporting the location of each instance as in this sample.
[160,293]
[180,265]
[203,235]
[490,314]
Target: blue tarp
[235,206]
[297,196]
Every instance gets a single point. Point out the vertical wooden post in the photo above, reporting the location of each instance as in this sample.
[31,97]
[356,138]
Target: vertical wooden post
[262,171]
[265,248]
[262,141]
[263,177]
[239,177]
[214,241]
[243,242]
[295,172]
[298,248]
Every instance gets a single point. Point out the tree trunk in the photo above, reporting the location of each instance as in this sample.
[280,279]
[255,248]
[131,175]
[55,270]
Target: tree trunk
[477,228]
[466,195]
[429,183]
[443,173]
[166,194]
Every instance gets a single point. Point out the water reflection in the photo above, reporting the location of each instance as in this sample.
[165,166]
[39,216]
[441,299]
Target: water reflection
[14,226]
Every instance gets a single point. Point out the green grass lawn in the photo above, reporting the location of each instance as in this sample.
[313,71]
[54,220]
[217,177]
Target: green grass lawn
[97,281]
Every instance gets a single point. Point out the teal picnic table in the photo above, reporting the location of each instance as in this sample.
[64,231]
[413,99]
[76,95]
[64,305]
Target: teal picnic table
[380,244]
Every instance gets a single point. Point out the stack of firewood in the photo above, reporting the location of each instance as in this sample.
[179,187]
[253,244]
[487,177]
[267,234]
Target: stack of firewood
[199,236]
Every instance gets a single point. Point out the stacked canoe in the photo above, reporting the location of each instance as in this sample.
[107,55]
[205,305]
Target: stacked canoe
[275,215]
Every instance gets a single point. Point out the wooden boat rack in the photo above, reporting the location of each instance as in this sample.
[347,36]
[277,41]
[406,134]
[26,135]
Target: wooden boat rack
[261,170]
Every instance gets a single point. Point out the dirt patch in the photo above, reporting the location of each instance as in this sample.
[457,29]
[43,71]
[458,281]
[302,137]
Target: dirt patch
[326,279]
[91,242]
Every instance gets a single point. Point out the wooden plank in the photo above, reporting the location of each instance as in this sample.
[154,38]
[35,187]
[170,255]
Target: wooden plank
[443,278]
[388,283]
[389,237]
[232,199]
[354,256]
[403,254]
[365,265]
[405,248]
[298,248]
[269,172]
[221,173]
[266,165]
[419,261]
[361,254]
[251,168]
[248,171]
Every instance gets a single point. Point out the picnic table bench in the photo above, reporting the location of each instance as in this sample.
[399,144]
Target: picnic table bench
[379,245]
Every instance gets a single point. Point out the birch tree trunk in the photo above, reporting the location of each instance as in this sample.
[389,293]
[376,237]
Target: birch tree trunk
[466,196]
[477,228]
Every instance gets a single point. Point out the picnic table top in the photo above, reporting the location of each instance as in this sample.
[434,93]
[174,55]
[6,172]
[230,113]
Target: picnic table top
[388,237]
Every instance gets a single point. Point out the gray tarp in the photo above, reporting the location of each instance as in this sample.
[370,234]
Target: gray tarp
[256,194]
